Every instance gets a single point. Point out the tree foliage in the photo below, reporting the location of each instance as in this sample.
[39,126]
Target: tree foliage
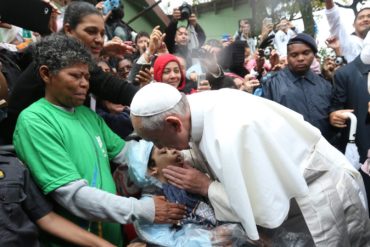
[351,4]
[297,9]
[289,9]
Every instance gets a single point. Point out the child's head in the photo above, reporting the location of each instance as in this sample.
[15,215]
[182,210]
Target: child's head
[145,161]
[161,158]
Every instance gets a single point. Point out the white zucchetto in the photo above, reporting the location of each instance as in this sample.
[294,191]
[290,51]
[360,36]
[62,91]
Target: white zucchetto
[154,98]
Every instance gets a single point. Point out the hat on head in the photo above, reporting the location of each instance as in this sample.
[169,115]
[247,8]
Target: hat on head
[306,39]
[138,155]
[161,63]
[153,99]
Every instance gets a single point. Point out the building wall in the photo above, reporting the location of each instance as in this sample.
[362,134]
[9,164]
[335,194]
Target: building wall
[140,24]
[224,21]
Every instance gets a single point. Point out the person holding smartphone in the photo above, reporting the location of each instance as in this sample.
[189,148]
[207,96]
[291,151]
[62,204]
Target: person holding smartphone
[36,15]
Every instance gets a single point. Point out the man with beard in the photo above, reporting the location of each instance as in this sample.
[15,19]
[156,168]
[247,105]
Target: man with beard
[299,88]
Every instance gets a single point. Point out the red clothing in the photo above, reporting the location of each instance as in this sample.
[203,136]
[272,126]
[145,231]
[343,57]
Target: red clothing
[159,65]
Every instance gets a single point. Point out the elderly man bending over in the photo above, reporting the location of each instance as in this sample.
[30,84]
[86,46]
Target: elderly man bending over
[261,155]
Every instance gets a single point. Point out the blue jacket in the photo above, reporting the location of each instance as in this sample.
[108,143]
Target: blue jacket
[308,95]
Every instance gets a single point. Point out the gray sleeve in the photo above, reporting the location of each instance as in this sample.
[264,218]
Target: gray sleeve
[121,157]
[94,204]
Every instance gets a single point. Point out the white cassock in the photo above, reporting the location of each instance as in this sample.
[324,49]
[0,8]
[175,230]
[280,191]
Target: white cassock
[264,154]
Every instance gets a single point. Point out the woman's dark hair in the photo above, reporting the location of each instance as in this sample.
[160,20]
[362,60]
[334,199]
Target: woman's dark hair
[60,51]
[76,11]
[117,13]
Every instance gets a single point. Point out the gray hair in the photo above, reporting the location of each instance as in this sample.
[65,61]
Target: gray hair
[59,51]
[156,122]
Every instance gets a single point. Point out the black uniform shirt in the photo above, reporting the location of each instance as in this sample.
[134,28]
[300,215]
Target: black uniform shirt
[21,204]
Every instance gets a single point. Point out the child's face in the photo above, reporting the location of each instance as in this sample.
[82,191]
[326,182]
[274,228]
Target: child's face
[164,157]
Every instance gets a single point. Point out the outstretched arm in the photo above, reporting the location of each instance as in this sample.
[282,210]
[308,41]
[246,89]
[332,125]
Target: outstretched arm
[62,228]
[171,31]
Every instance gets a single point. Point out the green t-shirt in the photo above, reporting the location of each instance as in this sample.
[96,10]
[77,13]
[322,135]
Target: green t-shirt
[60,147]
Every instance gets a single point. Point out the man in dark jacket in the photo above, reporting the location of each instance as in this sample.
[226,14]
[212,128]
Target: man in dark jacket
[298,88]
[350,94]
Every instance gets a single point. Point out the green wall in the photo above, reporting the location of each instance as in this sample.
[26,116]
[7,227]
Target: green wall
[215,25]
[224,21]
[141,23]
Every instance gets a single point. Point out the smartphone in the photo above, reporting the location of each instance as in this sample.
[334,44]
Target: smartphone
[32,15]
[145,66]
[109,5]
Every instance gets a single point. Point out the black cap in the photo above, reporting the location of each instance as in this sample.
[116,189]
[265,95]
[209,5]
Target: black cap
[306,39]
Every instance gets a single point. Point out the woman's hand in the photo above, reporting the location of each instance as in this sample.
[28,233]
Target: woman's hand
[156,41]
[166,212]
[143,77]
[249,83]
[116,48]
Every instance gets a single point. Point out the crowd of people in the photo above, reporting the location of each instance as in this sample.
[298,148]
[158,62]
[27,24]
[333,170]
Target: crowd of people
[116,137]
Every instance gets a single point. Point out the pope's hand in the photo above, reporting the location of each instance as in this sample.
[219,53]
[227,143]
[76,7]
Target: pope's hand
[188,178]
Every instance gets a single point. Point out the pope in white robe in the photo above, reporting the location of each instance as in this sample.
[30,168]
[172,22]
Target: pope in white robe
[261,156]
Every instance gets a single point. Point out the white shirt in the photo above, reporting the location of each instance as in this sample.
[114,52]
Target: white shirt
[281,41]
[350,44]
[263,154]
[246,141]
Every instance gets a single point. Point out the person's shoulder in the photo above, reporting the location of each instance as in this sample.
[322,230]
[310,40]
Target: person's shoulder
[35,109]
[273,77]
[85,110]
[88,114]
[10,166]
[346,70]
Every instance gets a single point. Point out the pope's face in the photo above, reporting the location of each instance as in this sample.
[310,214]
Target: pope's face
[173,135]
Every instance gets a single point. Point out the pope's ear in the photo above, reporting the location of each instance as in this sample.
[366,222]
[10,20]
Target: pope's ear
[174,122]
[44,73]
